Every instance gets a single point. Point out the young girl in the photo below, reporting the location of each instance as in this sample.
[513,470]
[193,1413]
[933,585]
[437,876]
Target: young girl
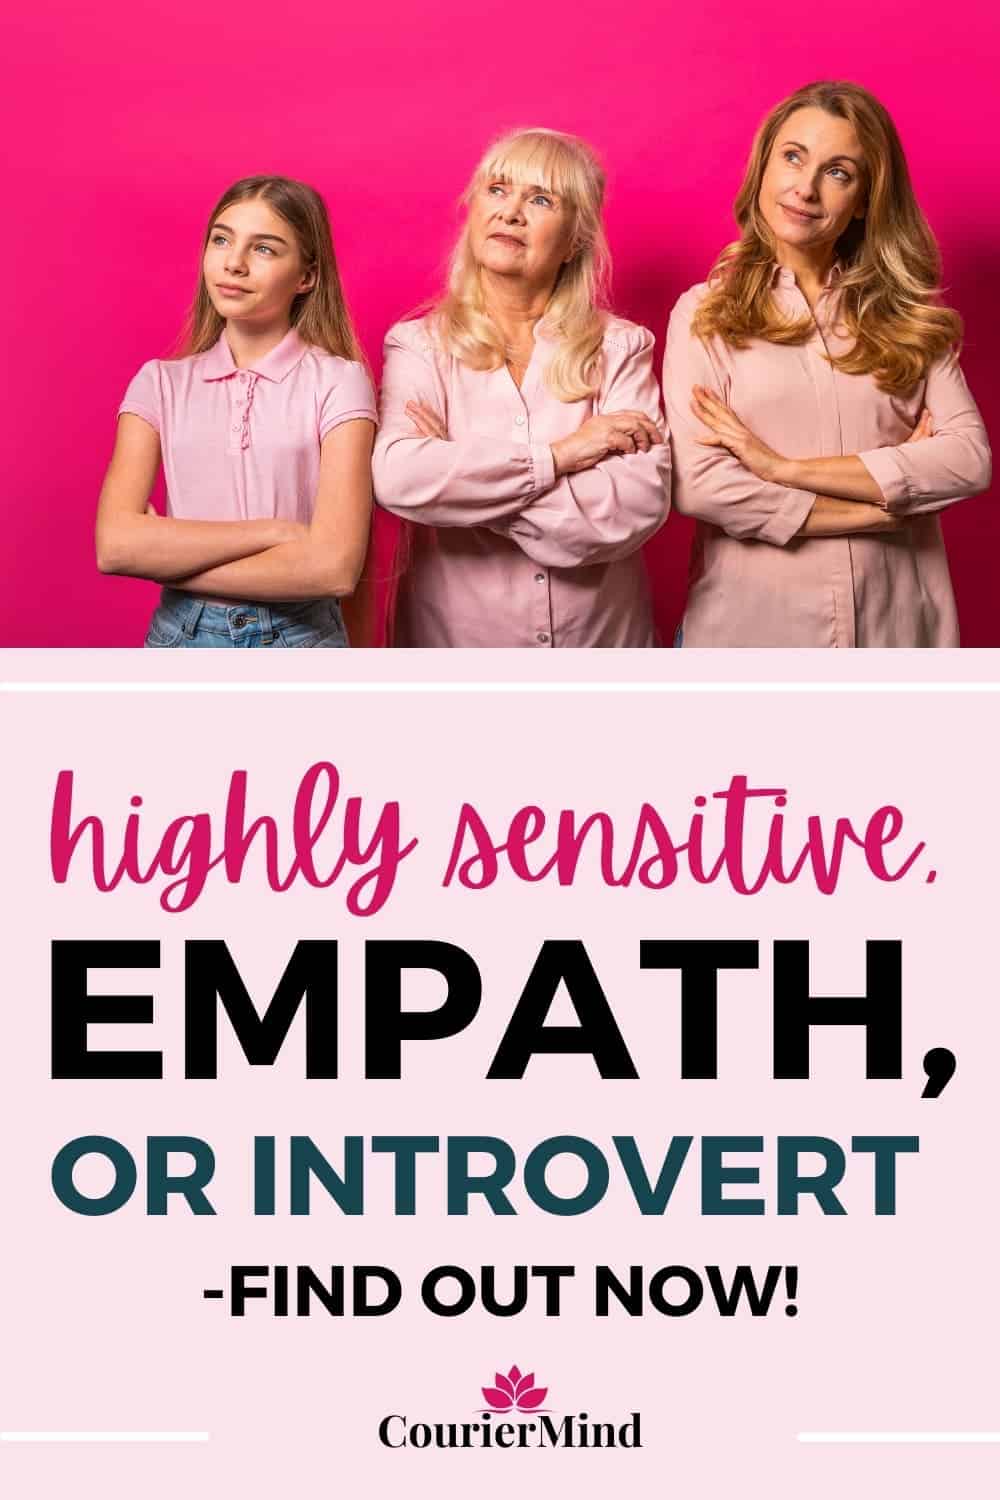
[265,433]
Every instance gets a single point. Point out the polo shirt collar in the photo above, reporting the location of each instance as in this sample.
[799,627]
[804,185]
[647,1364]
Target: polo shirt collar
[218,363]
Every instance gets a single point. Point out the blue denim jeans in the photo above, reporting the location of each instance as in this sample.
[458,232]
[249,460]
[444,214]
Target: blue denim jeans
[182,620]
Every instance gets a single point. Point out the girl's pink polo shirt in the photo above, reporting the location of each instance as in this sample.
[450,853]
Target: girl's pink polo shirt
[241,445]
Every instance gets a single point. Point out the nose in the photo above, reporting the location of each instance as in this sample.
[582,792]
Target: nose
[512,209]
[809,188]
[235,261]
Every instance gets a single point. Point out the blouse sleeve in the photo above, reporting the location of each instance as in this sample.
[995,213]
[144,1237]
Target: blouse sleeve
[142,398]
[606,512]
[948,466]
[441,482]
[350,395]
[709,483]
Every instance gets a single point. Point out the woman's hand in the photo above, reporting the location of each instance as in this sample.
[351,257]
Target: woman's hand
[924,428]
[426,420]
[725,430]
[613,432]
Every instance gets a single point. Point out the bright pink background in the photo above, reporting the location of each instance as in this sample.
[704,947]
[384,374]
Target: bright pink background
[129,121]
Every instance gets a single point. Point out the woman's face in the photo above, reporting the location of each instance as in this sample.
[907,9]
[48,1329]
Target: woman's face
[520,232]
[253,266]
[813,184]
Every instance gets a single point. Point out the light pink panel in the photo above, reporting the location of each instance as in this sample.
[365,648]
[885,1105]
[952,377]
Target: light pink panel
[126,121]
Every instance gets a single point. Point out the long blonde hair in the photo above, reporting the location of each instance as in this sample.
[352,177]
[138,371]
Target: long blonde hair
[891,266]
[319,315]
[573,317]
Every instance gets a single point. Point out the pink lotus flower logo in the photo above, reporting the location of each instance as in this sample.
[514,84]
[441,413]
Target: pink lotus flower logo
[514,1390]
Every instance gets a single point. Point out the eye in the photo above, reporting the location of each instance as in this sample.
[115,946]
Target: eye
[218,239]
[841,175]
[495,188]
[543,198]
[265,249]
[791,154]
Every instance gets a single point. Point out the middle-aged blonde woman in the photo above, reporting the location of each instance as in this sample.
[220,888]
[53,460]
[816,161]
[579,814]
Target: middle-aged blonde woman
[818,415]
[521,427]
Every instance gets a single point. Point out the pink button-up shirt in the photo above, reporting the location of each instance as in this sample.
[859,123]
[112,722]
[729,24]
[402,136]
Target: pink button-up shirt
[243,445]
[753,581]
[507,554]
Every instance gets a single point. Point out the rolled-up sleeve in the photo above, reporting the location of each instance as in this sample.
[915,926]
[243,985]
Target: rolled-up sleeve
[606,512]
[709,483]
[953,463]
[469,481]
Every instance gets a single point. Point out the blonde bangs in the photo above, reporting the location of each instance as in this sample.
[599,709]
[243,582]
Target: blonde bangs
[567,168]
[537,158]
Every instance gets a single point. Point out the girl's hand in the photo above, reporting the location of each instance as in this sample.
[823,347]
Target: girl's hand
[426,420]
[612,432]
[725,430]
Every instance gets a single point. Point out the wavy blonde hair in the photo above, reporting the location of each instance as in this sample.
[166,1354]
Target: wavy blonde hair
[891,267]
[573,317]
[320,315]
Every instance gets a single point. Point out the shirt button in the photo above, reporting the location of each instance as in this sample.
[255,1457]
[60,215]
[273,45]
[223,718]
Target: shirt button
[539,577]
[519,421]
[543,638]
[242,375]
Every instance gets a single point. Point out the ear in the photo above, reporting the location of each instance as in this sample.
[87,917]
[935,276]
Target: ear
[308,281]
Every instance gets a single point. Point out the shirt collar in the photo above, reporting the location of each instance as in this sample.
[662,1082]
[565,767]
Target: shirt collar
[218,363]
[783,276]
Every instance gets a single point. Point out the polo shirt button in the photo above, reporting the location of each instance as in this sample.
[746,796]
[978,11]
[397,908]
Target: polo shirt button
[539,577]
[519,421]
[236,427]
[242,375]
[543,638]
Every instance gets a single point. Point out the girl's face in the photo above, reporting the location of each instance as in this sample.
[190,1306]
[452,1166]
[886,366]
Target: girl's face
[253,266]
[521,232]
[813,183]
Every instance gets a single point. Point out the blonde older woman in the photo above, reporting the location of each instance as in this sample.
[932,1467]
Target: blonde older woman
[521,428]
[819,418]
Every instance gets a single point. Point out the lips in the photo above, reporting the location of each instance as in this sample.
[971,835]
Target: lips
[799,215]
[508,239]
[231,291]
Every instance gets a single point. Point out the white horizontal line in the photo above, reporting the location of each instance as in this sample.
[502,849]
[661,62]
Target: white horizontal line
[543,688]
[899,1437]
[103,1437]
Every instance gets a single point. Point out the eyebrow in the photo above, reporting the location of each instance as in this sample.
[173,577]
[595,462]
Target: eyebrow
[842,156]
[532,187]
[252,236]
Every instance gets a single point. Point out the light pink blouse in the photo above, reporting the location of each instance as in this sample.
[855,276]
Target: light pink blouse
[506,554]
[244,445]
[753,581]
